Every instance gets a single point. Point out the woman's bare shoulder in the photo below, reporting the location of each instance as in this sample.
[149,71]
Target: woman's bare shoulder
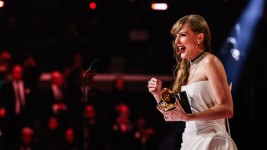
[211,59]
[212,66]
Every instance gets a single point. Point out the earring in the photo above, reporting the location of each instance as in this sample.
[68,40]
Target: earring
[197,42]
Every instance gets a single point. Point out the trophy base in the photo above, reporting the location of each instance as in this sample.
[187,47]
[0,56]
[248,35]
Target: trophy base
[162,105]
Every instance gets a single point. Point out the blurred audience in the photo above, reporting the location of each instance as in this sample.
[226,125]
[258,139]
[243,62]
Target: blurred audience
[5,66]
[28,140]
[17,99]
[32,71]
[54,100]
[123,122]
[74,86]
[122,129]
[65,112]
[95,130]
[52,135]
[144,134]
[70,140]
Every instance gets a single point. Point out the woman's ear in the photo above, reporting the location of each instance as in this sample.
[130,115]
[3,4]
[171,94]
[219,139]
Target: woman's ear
[201,37]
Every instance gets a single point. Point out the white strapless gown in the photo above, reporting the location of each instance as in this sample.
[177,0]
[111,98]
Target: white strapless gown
[204,135]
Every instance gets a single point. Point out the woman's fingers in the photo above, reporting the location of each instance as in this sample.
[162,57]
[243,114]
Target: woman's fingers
[153,83]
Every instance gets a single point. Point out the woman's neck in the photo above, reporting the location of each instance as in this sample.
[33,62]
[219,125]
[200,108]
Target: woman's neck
[197,57]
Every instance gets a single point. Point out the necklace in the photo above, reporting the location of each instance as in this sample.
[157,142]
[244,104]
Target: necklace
[198,58]
[196,62]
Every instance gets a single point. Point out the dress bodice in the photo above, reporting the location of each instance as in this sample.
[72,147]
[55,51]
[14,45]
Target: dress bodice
[200,95]
[209,134]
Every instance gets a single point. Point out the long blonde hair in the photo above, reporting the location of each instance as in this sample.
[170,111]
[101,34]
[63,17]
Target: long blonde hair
[198,25]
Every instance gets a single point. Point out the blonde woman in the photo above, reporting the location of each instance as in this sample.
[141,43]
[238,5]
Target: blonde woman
[202,76]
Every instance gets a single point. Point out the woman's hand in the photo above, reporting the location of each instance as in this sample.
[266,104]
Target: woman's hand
[154,86]
[177,114]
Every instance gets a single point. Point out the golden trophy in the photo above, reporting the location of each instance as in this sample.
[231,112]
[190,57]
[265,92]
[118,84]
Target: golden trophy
[168,101]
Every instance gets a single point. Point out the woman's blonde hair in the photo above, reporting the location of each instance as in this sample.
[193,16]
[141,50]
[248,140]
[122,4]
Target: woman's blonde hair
[198,25]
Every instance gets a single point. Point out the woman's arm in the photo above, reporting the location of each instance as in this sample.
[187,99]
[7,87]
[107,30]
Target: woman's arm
[214,71]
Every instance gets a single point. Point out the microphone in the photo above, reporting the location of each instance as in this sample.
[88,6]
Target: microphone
[95,67]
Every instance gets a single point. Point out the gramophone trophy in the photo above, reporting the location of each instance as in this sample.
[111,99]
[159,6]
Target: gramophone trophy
[169,102]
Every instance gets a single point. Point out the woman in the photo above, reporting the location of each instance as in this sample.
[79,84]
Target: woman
[202,75]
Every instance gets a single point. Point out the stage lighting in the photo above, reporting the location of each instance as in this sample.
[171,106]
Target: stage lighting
[159,6]
[92,5]
[237,45]
[2,3]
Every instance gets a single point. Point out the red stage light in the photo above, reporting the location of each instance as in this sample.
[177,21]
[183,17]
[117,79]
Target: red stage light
[92,5]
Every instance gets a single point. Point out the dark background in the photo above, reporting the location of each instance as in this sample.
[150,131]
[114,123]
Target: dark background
[40,27]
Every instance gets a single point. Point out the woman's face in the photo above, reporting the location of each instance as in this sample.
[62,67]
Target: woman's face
[187,42]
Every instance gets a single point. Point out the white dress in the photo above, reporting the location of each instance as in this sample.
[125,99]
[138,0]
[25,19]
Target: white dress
[204,135]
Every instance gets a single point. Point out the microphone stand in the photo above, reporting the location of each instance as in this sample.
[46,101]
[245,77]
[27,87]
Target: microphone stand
[84,103]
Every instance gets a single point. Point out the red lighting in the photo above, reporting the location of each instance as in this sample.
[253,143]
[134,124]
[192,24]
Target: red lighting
[92,5]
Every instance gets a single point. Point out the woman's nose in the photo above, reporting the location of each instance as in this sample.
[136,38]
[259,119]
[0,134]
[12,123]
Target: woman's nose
[177,40]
